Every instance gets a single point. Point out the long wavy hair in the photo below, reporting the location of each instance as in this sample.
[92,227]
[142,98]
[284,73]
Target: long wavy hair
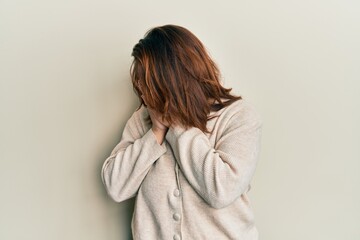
[175,75]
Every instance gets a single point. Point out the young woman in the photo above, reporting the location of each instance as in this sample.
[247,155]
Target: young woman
[189,151]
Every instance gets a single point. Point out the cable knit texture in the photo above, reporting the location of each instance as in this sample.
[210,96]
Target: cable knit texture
[192,186]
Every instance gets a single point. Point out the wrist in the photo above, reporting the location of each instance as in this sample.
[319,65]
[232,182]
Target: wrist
[159,134]
[159,129]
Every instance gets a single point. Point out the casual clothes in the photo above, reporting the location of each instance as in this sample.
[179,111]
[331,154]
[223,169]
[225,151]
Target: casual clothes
[192,186]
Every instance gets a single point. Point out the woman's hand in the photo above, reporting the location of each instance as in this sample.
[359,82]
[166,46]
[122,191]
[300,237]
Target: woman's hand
[159,127]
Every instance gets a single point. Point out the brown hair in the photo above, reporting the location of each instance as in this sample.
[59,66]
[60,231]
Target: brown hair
[175,75]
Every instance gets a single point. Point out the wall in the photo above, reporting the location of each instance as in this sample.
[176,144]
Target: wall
[65,96]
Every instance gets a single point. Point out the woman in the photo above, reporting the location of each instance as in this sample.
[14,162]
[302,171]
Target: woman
[190,149]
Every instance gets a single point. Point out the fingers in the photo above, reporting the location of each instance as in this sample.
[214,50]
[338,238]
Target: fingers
[156,118]
[142,97]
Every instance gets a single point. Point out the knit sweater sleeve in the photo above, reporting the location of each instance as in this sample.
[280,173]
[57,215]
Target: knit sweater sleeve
[222,173]
[124,170]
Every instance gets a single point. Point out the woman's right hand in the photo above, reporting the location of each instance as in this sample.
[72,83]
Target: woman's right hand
[158,126]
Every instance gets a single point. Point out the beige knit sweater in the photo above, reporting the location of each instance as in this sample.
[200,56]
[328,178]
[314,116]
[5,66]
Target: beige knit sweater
[193,185]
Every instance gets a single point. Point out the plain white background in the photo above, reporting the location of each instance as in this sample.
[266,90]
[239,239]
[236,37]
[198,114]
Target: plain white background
[65,96]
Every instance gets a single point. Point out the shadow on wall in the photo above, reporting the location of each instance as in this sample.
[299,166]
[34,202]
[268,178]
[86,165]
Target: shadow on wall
[125,209]
[122,210]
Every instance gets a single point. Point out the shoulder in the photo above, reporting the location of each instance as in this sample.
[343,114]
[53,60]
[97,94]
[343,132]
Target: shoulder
[243,109]
[243,112]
